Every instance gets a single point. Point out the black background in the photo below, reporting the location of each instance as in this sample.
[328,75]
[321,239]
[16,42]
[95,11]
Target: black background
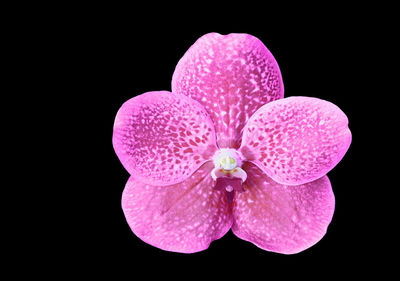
[110,58]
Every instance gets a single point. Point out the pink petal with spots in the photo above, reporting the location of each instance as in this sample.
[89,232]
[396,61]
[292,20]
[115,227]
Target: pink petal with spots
[280,218]
[185,217]
[232,76]
[162,138]
[297,139]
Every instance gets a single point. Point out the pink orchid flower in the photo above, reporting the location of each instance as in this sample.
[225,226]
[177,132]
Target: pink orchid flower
[225,151]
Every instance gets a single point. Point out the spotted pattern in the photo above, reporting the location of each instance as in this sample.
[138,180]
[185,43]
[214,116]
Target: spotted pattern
[185,217]
[280,218]
[232,76]
[162,138]
[297,139]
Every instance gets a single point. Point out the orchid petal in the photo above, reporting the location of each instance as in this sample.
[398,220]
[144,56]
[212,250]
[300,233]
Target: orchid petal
[162,138]
[232,76]
[280,218]
[297,139]
[184,217]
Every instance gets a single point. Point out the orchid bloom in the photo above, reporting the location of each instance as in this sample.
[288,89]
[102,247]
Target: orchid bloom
[224,150]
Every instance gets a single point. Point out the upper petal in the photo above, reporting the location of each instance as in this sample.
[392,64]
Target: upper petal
[297,139]
[280,218]
[162,138]
[232,76]
[184,217]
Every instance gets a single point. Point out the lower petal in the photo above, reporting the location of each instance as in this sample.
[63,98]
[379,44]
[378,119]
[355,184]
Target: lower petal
[280,218]
[184,217]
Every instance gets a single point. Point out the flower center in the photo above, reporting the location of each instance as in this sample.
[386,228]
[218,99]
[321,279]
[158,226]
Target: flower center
[228,164]
[227,159]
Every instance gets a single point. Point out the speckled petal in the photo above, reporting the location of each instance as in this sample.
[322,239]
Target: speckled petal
[162,138]
[184,218]
[280,218]
[232,76]
[297,139]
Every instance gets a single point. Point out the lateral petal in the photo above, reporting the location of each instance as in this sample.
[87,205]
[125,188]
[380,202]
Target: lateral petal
[297,139]
[162,138]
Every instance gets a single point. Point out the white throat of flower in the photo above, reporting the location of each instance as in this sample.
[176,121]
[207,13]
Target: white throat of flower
[228,163]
